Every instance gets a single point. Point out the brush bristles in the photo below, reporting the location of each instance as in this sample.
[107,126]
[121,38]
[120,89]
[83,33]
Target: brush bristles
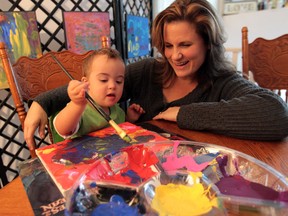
[127,139]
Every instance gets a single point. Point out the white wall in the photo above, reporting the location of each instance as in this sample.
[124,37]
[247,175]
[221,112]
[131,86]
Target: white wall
[267,23]
[159,5]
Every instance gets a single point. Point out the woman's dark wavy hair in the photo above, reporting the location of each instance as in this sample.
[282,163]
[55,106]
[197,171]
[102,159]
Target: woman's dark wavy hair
[208,25]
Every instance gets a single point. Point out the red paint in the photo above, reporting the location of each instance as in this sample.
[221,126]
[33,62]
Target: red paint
[140,161]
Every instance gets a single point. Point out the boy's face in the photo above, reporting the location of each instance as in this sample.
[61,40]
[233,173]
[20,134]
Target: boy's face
[106,79]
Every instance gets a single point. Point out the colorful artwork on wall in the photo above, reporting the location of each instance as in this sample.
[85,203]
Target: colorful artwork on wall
[83,30]
[138,43]
[19,32]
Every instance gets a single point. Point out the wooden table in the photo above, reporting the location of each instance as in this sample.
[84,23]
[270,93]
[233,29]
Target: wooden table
[14,200]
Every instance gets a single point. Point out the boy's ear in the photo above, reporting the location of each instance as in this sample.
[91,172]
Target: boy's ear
[84,79]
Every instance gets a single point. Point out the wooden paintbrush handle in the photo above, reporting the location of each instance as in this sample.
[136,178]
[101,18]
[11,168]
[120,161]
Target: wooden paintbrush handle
[118,129]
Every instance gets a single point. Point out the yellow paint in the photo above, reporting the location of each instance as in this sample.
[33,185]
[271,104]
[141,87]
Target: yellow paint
[48,151]
[19,40]
[172,199]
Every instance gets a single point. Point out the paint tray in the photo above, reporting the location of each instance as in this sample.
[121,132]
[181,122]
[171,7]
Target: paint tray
[212,161]
[120,173]
[265,190]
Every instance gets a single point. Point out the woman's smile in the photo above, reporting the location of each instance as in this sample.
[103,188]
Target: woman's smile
[184,48]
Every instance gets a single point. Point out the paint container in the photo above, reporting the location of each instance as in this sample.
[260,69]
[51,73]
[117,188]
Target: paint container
[245,185]
[133,174]
[89,196]
[119,174]
[181,196]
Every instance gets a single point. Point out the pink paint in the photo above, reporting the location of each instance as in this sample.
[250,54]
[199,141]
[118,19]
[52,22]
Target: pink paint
[187,161]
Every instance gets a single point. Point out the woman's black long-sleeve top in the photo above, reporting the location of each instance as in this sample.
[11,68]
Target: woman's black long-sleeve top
[231,106]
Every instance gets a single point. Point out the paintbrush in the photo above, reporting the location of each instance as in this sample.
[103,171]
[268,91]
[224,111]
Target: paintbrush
[118,129]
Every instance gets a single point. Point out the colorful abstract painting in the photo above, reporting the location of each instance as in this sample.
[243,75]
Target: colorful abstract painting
[19,32]
[83,30]
[66,161]
[137,36]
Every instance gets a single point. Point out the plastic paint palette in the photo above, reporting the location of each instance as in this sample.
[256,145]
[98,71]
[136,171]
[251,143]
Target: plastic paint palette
[242,184]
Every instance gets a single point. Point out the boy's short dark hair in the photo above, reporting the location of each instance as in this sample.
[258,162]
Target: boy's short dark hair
[109,52]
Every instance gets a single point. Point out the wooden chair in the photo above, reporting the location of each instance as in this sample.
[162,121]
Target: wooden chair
[29,77]
[267,60]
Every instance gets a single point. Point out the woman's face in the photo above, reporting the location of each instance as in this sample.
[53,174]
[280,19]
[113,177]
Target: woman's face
[184,48]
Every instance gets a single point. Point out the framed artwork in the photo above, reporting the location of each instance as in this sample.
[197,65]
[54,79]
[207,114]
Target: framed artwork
[138,34]
[241,6]
[19,32]
[83,30]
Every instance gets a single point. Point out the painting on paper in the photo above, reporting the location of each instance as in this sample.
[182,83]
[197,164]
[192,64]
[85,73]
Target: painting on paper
[19,32]
[83,30]
[138,39]
[66,161]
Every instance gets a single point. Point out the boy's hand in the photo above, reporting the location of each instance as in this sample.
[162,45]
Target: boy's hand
[134,111]
[76,91]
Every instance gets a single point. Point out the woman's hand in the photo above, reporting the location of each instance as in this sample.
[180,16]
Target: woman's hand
[134,111]
[170,114]
[36,117]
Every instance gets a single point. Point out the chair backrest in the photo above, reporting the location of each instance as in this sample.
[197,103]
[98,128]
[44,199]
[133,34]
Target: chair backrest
[29,77]
[267,60]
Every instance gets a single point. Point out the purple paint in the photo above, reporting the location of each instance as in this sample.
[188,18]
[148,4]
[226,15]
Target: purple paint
[236,185]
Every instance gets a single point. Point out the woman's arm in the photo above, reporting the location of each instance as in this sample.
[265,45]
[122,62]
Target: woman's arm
[244,111]
[53,100]
[36,118]
[237,108]
[40,108]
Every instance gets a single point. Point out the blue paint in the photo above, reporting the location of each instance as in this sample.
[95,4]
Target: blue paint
[137,36]
[85,149]
[116,206]
[93,185]
[135,178]
[205,157]
[6,27]
[144,138]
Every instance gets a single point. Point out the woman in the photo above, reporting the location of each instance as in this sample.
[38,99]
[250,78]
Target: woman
[192,83]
